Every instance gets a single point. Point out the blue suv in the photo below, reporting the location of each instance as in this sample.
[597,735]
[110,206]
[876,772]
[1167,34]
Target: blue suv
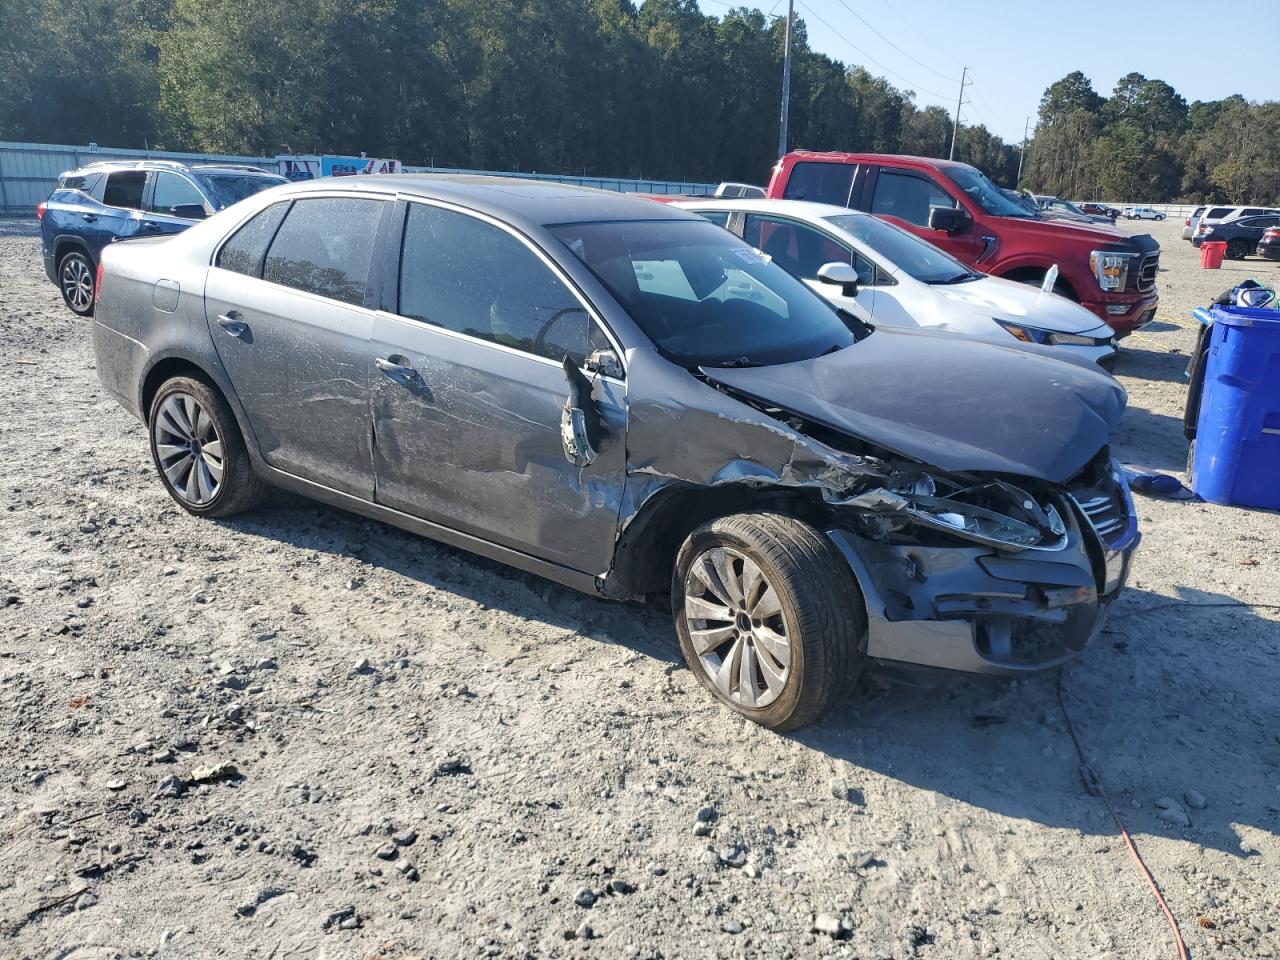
[103,202]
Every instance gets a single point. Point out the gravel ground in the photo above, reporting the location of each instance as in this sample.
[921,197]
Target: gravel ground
[437,757]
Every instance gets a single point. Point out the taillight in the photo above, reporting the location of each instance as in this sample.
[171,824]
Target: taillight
[40,210]
[97,284]
[1271,233]
[1186,222]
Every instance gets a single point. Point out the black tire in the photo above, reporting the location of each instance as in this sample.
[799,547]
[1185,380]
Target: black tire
[75,268]
[1237,250]
[820,604]
[240,488]
[1191,459]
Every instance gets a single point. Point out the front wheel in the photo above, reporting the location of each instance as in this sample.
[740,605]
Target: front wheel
[199,452]
[769,616]
[75,280]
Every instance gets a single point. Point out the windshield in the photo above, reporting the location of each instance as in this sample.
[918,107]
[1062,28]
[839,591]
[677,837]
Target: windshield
[920,260]
[229,188]
[984,193]
[703,296]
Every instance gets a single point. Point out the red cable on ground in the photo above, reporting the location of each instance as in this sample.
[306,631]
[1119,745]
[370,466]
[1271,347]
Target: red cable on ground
[1093,784]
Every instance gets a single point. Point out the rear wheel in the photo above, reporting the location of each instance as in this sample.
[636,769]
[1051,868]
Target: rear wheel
[769,617]
[75,280]
[1237,250]
[198,450]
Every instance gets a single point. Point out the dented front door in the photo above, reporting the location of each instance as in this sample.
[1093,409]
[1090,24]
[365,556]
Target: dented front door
[468,395]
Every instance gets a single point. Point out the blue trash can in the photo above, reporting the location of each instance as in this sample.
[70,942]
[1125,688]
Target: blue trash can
[1237,453]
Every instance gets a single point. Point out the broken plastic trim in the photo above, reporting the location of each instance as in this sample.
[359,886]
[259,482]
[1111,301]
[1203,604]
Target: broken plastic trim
[1036,528]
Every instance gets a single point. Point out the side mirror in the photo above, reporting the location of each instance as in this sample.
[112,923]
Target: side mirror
[605,363]
[948,219]
[840,274]
[580,426]
[188,211]
[574,438]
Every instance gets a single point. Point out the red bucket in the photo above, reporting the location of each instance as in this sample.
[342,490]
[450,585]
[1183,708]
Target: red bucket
[1211,254]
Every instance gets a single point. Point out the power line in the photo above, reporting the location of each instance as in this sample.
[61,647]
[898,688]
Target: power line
[860,19]
[991,109]
[915,87]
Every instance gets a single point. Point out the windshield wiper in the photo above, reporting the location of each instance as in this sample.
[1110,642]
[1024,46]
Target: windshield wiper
[958,278]
[739,362]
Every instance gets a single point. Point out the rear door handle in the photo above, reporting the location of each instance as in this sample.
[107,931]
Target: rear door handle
[150,225]
[89,217]
[400,373]
[231,322]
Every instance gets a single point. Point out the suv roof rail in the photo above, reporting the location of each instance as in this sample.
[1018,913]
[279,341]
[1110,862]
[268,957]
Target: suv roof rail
[136,164]
[230,166]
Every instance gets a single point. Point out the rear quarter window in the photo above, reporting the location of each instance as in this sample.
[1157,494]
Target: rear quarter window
[820,183]
[247,248]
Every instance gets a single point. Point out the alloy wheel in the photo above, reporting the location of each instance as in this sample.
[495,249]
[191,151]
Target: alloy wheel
[735,622]
[77,283]
[188,449]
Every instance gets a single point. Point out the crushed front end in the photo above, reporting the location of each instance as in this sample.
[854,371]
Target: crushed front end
[988,575]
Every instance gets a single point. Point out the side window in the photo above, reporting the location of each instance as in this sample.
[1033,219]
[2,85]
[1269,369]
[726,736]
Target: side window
[172,191]
[124,189]
[324,247]
[247,248]
[908,197]
[463,274]
[797,248]
[1217,213]
[719,217]
[820,182]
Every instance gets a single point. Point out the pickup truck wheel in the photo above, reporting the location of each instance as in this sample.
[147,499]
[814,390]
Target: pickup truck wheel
[198,450]
[769,617]
[75,280]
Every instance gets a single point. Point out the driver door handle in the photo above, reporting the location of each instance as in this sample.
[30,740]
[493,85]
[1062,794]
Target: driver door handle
[400,373]
[232,324]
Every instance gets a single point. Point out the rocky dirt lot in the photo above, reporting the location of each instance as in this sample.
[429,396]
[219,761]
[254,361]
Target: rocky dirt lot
[433,756]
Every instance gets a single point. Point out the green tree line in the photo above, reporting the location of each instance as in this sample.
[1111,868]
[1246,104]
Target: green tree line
[600,87]
[1145,142]
[597,87]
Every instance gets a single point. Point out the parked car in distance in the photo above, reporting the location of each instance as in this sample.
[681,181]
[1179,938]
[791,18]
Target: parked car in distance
[1100,209]
[629,400]
[113,200]
[901,281]
[1216,215]
[1066,210]
[1142,213]
[1024,200]
[1269,245]
[1241,236]
[955,207]
[730,189]
[1189,225]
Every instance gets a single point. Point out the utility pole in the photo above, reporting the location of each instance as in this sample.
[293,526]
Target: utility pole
[1022,153]
[786,79]
[959,103]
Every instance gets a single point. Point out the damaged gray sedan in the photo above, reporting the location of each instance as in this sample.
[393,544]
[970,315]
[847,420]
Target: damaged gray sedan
[626,399]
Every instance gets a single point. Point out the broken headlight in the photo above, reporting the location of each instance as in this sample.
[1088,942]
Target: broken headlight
[991,512]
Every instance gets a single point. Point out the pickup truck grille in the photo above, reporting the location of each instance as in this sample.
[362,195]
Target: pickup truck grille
[1143,277]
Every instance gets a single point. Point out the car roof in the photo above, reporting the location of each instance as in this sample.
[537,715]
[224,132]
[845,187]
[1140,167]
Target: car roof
[797,208]
[173,166]
[539,203]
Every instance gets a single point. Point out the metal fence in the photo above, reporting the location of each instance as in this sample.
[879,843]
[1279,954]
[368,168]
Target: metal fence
[29,171]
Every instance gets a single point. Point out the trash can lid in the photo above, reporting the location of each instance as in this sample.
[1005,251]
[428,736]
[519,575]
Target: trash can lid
[1245,316]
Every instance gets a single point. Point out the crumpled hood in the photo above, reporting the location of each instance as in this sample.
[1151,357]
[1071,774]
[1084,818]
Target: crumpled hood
[955,403]
[1008,300]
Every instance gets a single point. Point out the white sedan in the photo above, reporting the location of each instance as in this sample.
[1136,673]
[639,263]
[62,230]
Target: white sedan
[899,280]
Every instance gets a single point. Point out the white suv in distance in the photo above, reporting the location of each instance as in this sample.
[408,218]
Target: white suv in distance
[1142,213]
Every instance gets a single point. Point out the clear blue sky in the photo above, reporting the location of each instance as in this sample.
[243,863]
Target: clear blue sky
[1016,48]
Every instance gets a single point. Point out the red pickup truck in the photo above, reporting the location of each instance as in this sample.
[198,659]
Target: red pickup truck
[955,207]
